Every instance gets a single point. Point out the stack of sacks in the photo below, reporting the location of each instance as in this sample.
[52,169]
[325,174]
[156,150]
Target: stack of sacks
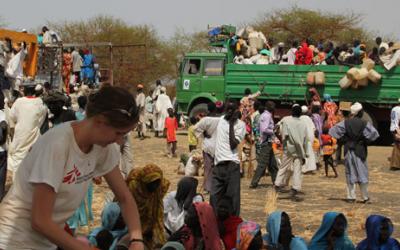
[358,77]
[317,78]
[249,44]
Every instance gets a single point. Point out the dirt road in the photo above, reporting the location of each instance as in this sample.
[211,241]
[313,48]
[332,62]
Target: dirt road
[321,194]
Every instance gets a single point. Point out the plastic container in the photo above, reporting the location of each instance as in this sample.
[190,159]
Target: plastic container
[310,78]
[362,74]
[368,64]
[345,82]
[353,74]
[374,76]
[319,78]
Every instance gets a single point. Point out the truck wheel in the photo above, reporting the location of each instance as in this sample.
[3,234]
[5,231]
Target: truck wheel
[200,109]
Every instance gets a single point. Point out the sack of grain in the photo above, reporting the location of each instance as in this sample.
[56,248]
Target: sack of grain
[374,76]
[263,40]
[319,78]
[253,51]
[240,32]
[353,74]
[362,82]
[368,64]
[363,74]
[345,82]
[310,78]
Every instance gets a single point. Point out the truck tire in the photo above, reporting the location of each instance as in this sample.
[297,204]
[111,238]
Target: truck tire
[199,109]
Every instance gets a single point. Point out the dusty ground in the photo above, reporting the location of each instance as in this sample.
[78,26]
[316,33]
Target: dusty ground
[322,194]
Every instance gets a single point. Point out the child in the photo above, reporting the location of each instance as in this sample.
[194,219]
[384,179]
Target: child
[328,148]
[170,127]
[191,136]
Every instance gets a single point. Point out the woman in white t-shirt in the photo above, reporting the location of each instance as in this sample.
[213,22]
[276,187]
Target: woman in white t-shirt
[53,178]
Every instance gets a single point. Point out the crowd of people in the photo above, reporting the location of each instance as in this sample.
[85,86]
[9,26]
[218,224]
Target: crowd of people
[310,52]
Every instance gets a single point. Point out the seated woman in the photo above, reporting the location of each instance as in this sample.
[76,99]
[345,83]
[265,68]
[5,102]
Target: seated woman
[200,230]
[112,222]
[227,222]
[332,234]
[176,203]
[280,234]
[379,229]
[148,187]
[249,236]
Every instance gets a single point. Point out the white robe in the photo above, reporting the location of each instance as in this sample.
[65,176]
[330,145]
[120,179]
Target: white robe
[28,115]
[162,105]
[311,164]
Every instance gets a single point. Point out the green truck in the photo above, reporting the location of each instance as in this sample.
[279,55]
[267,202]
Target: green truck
[208,77]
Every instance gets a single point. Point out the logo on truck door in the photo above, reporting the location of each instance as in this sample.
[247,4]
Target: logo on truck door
[186,84]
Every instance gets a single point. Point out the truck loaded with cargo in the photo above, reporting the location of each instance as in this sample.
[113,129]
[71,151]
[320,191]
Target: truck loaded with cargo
[211,76]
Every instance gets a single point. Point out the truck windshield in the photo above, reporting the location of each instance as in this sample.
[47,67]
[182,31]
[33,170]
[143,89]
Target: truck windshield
[214,67]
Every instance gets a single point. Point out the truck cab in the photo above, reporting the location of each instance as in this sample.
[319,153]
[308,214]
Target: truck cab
[201,80]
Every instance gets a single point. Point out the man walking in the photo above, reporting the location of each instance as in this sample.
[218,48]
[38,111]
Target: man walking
[140,102]
[357,134]
[295,151]
[226,173]
[265,153]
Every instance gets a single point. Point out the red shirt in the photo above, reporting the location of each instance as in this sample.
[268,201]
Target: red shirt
[171,125]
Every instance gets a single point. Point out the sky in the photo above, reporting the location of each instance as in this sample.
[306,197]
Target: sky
[166,16]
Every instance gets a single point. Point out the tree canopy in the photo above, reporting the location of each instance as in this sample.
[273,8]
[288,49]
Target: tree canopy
[298,24]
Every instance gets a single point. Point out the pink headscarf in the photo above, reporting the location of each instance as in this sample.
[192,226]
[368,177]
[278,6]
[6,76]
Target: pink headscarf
[209,228]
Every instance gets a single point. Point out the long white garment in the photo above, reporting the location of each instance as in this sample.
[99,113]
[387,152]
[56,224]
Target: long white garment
[28,115]
[174,216]
[291,55]
[162,105]
[15,65]
[126,160]
[311,164]
[395,118]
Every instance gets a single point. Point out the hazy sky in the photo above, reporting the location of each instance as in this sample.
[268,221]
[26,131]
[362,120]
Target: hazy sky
[166,15]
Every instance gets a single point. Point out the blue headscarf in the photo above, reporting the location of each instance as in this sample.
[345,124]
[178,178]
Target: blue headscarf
[373,227]
[328,98]
[109,217]
[273,229]
[319,240]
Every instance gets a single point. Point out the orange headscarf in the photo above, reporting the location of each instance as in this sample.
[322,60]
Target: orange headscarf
[150,204]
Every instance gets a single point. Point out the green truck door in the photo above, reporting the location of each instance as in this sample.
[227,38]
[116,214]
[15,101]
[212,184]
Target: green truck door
[213,77]
[191,76]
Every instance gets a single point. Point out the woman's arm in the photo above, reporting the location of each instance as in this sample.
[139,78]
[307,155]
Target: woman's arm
[129,209]
[41,219]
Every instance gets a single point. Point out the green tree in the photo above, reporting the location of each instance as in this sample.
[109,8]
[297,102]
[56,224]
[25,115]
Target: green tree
[131,64]
[182,42]
[298,24]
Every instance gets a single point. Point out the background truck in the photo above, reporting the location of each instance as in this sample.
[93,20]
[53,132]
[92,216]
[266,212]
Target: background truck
[208,77]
